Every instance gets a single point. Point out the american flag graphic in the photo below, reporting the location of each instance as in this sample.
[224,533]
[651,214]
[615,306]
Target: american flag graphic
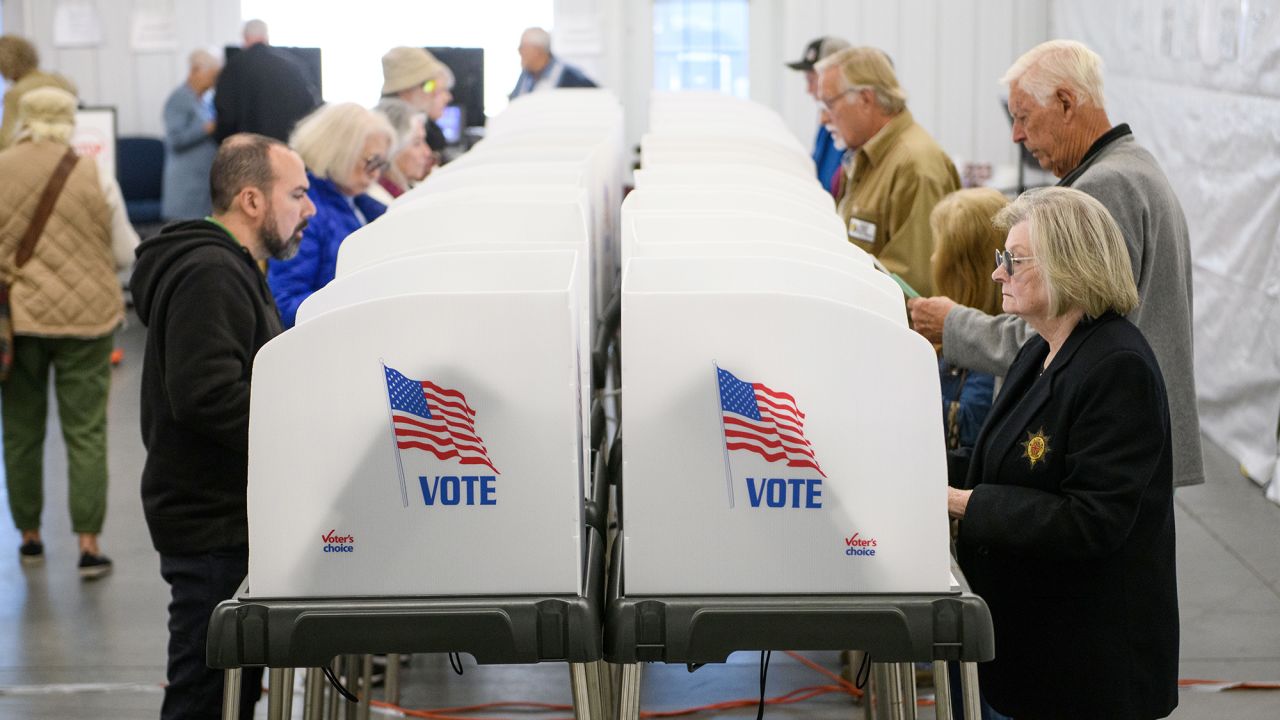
[425,416]
[764,421]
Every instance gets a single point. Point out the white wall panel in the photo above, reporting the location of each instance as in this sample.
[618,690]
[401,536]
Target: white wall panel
[1200,85]
[949,55]
[113,73]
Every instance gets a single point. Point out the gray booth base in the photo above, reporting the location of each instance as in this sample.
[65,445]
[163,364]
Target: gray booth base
[892,629]
[310,633]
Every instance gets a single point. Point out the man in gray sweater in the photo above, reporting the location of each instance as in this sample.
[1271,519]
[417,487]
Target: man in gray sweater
[1055,98]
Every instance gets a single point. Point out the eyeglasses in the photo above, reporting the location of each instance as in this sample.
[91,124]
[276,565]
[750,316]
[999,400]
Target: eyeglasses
[375,163]
[429,86]
[1008,261]
[830,103]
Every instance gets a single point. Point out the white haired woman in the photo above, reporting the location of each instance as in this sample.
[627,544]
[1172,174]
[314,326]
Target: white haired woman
[411,157]
[345,149]
[65,302]
[1066,509]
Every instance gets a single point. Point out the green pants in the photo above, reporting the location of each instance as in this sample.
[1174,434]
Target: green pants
[82,378]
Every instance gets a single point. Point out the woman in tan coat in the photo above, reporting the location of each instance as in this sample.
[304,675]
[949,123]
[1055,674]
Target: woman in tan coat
[65,303]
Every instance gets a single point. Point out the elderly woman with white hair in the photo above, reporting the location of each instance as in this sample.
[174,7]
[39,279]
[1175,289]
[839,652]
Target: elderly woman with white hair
[63,237]
[345,147]
[411,157]
[1066,509]
[188,141]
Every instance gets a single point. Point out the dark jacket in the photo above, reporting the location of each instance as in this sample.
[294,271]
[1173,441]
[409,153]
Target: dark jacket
[262,90]
[208,310]
[1069,535]
[293,280]
[570,77]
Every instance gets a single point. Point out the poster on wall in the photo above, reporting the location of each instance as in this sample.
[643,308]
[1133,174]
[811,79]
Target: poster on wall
[76,25]
[154,30]
[95,137]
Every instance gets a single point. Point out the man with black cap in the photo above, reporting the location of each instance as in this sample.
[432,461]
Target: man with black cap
[828,148]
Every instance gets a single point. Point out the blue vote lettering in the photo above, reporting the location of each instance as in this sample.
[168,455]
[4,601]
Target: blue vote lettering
[793,492]
[455,490]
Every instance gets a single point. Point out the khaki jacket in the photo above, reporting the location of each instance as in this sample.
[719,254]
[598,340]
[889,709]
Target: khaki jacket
[69,286]
[30,81]
[896,179]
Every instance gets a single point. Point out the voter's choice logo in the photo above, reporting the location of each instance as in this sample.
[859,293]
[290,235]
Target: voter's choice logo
[338,542]
[757,419]
[857,546]
[434,428]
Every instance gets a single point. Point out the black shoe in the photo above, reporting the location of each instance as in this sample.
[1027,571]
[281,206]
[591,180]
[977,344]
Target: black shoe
[94,566]
[31,553]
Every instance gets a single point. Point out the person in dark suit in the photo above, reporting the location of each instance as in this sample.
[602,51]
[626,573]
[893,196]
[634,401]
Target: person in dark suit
[1066,508]
[541,70]
[261,90]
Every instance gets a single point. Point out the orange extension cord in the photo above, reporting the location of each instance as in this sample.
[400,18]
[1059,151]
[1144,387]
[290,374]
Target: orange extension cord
[799,695]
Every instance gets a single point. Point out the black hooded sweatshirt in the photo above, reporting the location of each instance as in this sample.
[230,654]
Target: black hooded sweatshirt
[208,310]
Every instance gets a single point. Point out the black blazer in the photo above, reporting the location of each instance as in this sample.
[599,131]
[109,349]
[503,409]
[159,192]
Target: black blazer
[1068,534]
[262,90]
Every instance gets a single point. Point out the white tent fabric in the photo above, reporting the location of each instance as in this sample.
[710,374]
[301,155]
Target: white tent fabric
[1202,92]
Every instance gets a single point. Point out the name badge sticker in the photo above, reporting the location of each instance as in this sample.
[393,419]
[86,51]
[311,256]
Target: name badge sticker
[862,230]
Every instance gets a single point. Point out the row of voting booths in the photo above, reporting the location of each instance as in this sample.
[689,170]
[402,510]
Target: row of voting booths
[430,468]
[784,479]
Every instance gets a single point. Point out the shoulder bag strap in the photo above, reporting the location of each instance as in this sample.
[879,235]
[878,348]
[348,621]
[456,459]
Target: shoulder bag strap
[51,191]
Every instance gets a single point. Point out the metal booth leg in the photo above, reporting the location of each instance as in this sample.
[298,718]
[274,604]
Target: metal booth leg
[313,695]
[334,698]
[941,691]
[231,694]
[585,682]
[604,679]
[907,683]
[629,692]
[366,687]
[969,688]
[280,694]
[391,688]
[884,691]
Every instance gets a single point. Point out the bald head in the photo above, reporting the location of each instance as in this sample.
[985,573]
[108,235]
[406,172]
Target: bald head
[535,50]
[255,32]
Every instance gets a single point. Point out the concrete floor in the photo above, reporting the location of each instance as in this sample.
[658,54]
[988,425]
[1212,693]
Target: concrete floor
[70,649]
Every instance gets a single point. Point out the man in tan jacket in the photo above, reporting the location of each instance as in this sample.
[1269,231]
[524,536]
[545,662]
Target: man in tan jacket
[898,173]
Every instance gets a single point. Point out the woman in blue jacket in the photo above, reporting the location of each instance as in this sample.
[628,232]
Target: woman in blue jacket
[345,148]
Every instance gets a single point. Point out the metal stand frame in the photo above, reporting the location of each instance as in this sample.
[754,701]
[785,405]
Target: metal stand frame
[897,630]
[310,633]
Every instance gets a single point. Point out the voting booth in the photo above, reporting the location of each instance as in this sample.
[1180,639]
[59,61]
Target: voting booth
[772,417]
[436,442]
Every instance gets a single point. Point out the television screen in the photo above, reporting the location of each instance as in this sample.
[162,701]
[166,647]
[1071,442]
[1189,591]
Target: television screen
[467,65]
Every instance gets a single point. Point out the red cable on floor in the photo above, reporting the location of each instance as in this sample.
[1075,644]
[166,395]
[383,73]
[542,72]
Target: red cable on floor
[795,696]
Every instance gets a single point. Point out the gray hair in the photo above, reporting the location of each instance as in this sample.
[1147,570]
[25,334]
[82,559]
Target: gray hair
[256,29]
[1057,64]
[868,68]
[537,37]
[405,119]
[1083,259]
[203,60]
[332,137]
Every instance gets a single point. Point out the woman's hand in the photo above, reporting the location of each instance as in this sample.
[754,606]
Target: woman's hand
[957,501]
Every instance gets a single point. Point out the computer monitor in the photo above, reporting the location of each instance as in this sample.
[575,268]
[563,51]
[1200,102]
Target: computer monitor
[451,124]
[467,65]
[308,58]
